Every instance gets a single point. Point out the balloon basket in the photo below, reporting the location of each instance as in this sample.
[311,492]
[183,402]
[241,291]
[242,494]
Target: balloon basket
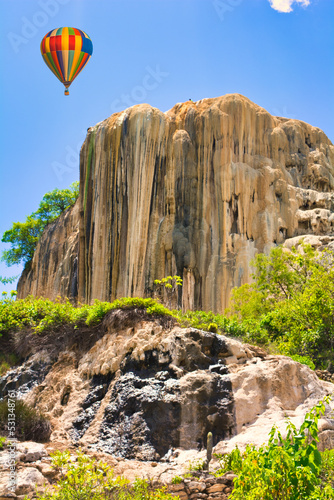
[66,92]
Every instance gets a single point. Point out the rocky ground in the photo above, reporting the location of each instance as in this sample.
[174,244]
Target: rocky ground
[34,470]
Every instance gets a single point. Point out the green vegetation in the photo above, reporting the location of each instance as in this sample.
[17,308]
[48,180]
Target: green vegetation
[289,308]
[197,465]
[286,468]
[43,315]
[88,479]
[177,480]
[290,304]
[2,442]
[167,288]
[24,236]
[6,281]
[30,424]
[170,282]
[7,361]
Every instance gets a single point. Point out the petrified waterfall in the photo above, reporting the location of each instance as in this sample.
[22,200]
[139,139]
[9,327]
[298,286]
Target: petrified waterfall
[196,191]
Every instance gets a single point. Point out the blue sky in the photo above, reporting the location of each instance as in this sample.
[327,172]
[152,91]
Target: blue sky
[278,53]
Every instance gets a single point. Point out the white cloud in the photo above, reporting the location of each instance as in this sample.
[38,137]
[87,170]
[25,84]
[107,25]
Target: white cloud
[286,5]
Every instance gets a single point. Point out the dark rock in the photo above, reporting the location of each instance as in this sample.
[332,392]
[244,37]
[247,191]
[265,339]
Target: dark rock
[138,411]
[100,385]
[24,378]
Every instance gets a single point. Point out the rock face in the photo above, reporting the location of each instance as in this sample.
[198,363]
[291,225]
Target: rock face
[139,388]
[54,268]
[196,191]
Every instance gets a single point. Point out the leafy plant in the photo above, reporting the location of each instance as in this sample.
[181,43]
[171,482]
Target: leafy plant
[88,479]
[42,315]
[24,236]
[177,480]
[304,360]
[2,442]
[290,304]
[286,468]
[229,462]
[168,285]
[6,281]
[196,465]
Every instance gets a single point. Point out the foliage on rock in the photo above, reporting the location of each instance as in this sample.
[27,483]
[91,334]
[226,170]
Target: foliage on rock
[290,304]
[24,236]
[42,315]
[288,467]
[88,479]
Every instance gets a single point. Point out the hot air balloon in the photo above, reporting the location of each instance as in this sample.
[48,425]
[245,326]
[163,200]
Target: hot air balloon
[66,51]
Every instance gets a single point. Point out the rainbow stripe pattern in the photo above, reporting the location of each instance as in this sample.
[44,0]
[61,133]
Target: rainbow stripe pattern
[66,51]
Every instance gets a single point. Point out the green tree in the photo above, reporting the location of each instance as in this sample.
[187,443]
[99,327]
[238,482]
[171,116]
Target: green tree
[24,236]
[290,302]
[6,281]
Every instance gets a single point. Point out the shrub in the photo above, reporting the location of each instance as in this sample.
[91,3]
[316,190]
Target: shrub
[287,468]
[42,315]
[197,465]
[88,479]
[304,360]
[30,424]
[213,327]
[290,304]
[177,480]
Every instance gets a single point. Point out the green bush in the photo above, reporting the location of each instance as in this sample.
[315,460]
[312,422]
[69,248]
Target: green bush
[88,479]
[304,360]
[290,304]
[30,424]
[286,468]
[43,315]
[177,480]
[196,465]
[213,327]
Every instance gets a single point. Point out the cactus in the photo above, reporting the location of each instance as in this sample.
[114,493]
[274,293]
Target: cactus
[209,446]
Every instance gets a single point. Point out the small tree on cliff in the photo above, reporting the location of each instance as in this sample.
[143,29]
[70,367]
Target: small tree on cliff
[24,236]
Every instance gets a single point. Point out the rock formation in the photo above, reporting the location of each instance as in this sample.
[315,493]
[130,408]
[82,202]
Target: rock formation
[138,388]
[196,191]
[54,269]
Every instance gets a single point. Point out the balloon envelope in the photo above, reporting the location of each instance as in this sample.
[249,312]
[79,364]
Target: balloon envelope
[66,51]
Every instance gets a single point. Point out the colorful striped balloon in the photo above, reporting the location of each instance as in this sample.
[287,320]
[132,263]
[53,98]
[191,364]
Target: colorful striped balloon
[66,51]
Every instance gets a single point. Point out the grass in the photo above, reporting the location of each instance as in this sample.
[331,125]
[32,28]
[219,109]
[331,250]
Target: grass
[7,361]
[30,424]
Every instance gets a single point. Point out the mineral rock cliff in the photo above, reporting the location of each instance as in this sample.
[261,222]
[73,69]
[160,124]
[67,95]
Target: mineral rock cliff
[54,269]
[114,387]
[196,191]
